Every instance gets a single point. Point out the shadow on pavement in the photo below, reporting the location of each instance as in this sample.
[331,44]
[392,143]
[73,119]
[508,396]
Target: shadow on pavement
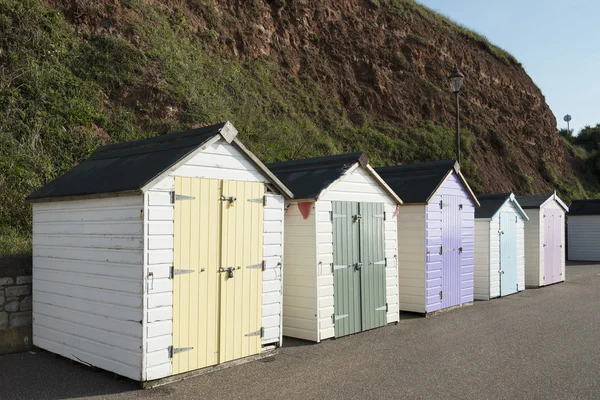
[404,315]
[41,375]
[293,342]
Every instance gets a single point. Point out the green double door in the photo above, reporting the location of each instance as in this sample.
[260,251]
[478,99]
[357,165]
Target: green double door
[358,267]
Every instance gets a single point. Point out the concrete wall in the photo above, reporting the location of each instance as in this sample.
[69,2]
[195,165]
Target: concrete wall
[15,304]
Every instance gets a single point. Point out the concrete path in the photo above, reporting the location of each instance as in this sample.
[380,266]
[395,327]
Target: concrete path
[538,344]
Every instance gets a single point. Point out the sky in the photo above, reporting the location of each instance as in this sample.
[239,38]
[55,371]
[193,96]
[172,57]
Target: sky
[557,41]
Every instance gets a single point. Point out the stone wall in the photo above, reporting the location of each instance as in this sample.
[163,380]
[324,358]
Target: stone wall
[15,304]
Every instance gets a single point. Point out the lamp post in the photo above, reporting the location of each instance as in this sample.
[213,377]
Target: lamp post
[456,79]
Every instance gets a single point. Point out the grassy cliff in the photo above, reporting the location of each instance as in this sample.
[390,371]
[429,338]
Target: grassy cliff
[297,79]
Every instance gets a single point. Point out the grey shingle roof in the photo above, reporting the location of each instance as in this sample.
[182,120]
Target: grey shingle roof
[415,183]
[490,204]
[533,201]
[585,207]
[306,178]
[129,166]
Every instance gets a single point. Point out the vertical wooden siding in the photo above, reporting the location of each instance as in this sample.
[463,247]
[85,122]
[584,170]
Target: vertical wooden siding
[197,237]
[373,270]
[453,187]
[355,186]
[347,280]
[87,288]
[553,205]
[224,162]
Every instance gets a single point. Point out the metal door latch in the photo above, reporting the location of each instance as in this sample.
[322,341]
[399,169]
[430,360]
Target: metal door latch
[356,217]
[357,266]
[228,270]
[229,199]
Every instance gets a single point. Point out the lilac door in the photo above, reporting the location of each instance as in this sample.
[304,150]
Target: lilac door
[451,250]
[552,246]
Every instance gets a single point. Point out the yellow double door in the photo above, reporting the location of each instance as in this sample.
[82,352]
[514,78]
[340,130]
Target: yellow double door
[217,278]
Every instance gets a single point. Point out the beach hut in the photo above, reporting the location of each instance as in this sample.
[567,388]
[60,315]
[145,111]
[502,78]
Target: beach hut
[499,246]
[340,247]
[544,239]
[583,227]
[160,256]
[435,235]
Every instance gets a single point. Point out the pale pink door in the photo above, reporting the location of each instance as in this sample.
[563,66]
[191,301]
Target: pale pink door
[552,246]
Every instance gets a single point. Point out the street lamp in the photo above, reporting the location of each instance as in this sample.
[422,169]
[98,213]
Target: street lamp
[456,79]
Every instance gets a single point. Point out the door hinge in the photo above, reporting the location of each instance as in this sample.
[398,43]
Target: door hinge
[175,197]
[336,267]
[460,250]
[260,332]
[262,265]
[442,294]
[262,200]
[379,216]
[460,206]
[176,350]
[332,215]
[179,272]
[383,262]
[383,308]
[335,318]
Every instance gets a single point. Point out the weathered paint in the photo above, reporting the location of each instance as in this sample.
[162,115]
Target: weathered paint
[508,253]
[87,295]
[113,256]
[346,272]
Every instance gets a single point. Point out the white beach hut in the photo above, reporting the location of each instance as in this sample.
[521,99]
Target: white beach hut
[160,256]
[499,246]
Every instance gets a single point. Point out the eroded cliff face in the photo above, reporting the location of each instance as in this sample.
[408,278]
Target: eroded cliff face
[393,62]
[384,60]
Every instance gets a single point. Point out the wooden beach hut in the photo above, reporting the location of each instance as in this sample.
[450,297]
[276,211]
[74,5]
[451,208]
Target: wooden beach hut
[499,246]
[435,235]
[340,247]
[160,256]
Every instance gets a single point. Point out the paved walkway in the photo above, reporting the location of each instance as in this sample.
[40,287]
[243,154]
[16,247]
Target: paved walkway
[538,344]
